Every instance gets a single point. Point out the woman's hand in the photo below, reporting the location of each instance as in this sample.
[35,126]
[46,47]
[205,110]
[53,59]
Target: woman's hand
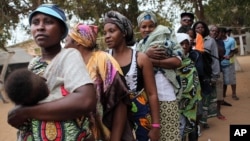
[17,116]
[227,57]
[154,134]
[155,52]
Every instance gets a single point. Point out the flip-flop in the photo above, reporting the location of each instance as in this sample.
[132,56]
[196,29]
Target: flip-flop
[221,117]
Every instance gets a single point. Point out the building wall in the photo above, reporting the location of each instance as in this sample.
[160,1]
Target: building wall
[30,46]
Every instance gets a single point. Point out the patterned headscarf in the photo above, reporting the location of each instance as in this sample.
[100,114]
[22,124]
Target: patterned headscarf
[147,15]
[123,23]
[84,34]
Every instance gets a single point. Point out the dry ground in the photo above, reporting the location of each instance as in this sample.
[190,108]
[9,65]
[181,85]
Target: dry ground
[239,113]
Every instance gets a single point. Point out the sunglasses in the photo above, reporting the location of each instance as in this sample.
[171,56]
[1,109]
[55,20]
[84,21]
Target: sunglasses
[186,20]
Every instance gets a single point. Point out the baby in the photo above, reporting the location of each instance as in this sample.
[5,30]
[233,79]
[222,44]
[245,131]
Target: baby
[23,87]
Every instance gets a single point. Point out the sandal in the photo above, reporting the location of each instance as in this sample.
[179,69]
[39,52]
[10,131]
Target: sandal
[225,103]
[221,117]
[235,97]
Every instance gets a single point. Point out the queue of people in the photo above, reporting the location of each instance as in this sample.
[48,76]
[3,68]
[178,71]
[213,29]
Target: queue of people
[156,89]
[216,49]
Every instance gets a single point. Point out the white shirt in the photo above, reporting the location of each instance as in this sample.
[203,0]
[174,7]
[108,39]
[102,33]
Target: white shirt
[67,69]
[164,88]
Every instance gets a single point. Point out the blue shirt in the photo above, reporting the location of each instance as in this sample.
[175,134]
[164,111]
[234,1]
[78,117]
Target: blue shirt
[229,45]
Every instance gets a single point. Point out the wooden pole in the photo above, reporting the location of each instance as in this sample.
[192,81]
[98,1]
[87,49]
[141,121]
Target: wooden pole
[2,76]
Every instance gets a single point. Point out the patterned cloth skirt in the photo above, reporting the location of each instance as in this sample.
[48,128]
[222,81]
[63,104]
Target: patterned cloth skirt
[170,121]
[209,106]
[229,75]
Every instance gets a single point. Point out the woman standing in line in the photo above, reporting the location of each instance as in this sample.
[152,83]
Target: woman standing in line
[110,117]
[72,95]
[211,73]
[138,72]
[159,43]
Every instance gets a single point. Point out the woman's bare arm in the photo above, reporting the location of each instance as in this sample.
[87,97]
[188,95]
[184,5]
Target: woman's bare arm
[80,102]
[119,121]
[151,91]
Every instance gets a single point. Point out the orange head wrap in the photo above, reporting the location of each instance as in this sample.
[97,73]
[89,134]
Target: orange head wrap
[84,34]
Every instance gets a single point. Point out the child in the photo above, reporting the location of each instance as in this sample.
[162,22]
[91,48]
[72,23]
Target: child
[190,90]
[23,87]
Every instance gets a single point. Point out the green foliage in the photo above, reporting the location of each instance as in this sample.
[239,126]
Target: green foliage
[229,12]
[91,10]
[10,11]
[222,12]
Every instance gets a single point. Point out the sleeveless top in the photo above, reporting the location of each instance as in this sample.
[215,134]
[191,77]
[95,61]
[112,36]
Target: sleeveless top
[133,74]
[138,97]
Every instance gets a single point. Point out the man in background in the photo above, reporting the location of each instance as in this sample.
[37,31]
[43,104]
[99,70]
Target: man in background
[228,67]
[187,20]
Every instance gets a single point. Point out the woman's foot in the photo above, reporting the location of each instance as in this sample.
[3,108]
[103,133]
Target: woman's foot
[235,97]
[221,117]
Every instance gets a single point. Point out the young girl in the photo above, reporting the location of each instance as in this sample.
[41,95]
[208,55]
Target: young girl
[138,72]
[191,91]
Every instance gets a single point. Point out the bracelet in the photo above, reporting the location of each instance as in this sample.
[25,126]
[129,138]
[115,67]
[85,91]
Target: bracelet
[156,125]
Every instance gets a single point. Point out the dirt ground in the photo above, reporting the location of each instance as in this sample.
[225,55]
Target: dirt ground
[239,113]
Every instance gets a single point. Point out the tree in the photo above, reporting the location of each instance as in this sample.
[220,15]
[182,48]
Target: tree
[10,11]
[91,10]
[195,6]
[13,10]
[226,13]
[229,13]
[223,12]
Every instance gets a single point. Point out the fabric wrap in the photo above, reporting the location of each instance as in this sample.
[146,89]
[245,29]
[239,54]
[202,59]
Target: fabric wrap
[164,38]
